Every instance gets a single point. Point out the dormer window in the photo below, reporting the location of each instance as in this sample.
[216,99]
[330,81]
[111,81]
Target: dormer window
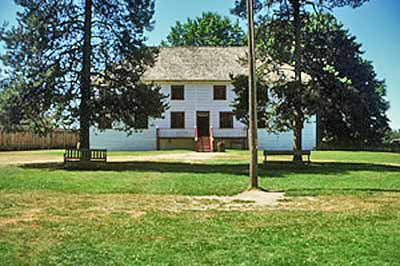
[177,92]
[219,92]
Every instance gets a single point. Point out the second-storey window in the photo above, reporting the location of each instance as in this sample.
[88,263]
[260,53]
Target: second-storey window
[177,92]
[177,120]
[226,120]
[219,92]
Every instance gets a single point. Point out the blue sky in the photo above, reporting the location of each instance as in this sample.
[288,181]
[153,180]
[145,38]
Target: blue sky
[376,25]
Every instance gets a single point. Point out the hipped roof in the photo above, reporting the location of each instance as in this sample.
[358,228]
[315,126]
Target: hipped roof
[176,64]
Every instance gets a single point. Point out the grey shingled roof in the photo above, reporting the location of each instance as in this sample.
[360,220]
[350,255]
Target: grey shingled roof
[197,64]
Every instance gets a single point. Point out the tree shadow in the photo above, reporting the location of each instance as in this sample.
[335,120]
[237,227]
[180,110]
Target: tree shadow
[282,168]
[317,191]
[275,169]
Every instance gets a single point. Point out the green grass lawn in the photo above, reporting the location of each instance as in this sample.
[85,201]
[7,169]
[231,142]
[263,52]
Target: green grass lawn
[342,209]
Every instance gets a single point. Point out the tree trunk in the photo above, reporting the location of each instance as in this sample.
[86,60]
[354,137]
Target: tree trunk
[297,139]
[85,87]
[298,119]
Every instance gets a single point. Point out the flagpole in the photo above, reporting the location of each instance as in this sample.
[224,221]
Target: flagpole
[252,98]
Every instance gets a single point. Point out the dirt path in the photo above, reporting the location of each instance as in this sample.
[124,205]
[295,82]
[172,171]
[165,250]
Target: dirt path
[17,158]
[182,157]
[22,157]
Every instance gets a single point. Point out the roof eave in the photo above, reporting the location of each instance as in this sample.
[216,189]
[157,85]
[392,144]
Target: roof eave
[183,81]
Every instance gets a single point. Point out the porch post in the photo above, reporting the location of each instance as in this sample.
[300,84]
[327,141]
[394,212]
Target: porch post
[158,138]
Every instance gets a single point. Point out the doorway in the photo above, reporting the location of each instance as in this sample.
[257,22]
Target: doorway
[203,124]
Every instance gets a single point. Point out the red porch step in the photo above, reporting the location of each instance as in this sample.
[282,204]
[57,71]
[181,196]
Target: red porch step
[203,144]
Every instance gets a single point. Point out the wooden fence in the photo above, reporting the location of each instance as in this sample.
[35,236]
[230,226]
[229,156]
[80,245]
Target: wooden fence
[28,141]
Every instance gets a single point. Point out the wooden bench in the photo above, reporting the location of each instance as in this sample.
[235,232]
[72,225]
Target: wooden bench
[93,155]
[285,152]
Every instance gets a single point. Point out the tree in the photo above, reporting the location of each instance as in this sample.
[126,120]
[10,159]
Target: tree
[210,29]
[392,136]
[344,88]
[296,93]
[68,63]
[351,105]
[241,102]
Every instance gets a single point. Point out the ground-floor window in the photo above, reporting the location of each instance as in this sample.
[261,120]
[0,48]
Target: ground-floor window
[177,119]
[142,121]
[226,120]
[105,122]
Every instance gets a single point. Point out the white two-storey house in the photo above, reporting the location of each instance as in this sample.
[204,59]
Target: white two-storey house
[200,94]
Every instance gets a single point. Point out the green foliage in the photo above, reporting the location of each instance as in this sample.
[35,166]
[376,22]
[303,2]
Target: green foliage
[273,103]
[341,87]
[392,136]
[44,64]
[261,6]
[290,101]
[211,29]
[241,102]
[298,97]
[354,112]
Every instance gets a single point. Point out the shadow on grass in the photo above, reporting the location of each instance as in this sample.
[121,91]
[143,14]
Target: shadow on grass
[317,191]
[272,169]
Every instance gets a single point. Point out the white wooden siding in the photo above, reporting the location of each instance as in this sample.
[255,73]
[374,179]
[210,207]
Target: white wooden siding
[178,132]
[230,132]
[284,140]
[114,140]
[198,97]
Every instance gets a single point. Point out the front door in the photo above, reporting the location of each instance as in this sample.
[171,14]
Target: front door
[203,124]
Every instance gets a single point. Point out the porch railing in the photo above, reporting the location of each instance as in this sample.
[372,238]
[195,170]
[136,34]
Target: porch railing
[193,132]
[230,132]
[176,133]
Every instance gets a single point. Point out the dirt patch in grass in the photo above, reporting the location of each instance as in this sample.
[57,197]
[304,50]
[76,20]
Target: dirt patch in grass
[136,213]
[28,216]
[341,203]
[57,206]
[247,200]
